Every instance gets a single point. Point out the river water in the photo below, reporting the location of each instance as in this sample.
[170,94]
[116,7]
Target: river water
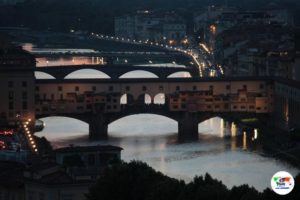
[222,149]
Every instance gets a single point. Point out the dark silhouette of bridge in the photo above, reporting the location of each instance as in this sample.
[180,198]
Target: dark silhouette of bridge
[115,71]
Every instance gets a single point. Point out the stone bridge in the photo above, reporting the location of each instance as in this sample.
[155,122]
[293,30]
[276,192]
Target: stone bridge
[115,71]
[187,121]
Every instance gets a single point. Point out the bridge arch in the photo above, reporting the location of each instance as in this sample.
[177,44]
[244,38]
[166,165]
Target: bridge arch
[151,124]
[127,99]
[144,98]
[55,127]
[138,74]
[87,74]
[180,74]
[43,75]
[159,99]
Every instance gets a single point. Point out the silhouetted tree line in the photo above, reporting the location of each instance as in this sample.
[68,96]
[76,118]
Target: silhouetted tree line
[138,181]
[98,15]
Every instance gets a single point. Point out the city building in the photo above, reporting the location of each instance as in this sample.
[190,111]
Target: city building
[152,26]
[68,177]
[16,82]
[87,162]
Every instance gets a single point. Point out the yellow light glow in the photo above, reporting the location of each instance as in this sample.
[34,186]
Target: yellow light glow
[255,133]
[233,130]
[244,140]
[213,29]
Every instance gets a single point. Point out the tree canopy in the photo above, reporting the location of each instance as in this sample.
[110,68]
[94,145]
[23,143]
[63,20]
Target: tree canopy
[138,181]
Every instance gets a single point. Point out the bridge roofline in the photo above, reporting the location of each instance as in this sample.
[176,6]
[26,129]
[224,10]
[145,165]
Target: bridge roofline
[62,67]
[154,80]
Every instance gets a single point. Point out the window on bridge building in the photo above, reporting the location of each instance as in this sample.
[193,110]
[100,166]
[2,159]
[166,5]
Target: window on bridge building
[111,88]
[144,88]
[10,84]
[245,87]
[59,88]
[24,95]
[211,87]
[11,105]
[94,88]
[24,105]
[76,88]
[161,88]
[10,95]
[228,87]
[24,84]
[127,88]
[37,97]
[262,86]
[91,159]
[177,87]
[194,87]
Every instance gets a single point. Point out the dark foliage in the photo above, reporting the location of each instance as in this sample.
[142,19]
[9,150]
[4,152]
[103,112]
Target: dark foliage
[138,181]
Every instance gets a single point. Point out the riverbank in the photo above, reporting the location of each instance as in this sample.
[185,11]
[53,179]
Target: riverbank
[276,142]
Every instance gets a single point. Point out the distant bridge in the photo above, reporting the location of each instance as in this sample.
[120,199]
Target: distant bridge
[110,54]
[115,71]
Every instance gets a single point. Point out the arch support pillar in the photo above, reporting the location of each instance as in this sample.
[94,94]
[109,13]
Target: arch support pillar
[188,126]
[98,128]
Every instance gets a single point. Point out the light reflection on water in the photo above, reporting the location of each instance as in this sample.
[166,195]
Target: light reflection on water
[153,139]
